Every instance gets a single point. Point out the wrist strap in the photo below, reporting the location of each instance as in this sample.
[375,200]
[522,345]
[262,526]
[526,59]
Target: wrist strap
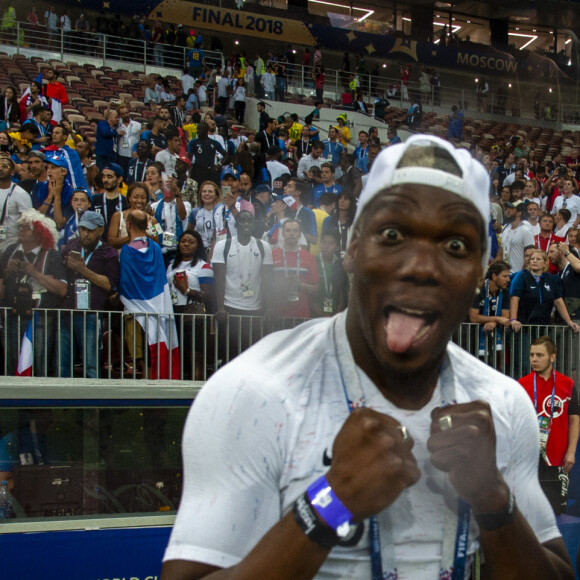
[309,523]
[328,506]
[495,520]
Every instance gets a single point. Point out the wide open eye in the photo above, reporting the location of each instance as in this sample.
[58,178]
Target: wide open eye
[392,235]
[456,246]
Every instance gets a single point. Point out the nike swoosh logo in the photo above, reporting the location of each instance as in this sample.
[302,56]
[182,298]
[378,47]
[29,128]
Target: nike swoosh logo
[325,459]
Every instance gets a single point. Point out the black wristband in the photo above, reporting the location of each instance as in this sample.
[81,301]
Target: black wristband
[496,520]
[309,523]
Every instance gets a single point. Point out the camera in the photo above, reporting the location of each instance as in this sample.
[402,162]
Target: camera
[562,171]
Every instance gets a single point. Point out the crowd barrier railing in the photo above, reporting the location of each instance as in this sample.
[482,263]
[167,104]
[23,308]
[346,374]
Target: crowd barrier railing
[122,345]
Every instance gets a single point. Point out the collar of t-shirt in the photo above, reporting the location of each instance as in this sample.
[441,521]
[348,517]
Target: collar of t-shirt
[34,251]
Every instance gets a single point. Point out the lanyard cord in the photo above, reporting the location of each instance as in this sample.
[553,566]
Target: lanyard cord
[89,256]
[553,395]
[286,263]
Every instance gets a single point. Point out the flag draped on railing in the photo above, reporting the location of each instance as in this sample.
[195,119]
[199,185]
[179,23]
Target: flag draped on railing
[26,354]
[144,290]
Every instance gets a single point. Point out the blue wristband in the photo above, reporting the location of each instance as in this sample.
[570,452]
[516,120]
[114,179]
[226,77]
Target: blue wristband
[328,506]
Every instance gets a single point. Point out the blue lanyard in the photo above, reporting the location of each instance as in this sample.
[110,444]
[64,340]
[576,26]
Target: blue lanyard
[462,532]
[553,395]
[538,280]
[89,256]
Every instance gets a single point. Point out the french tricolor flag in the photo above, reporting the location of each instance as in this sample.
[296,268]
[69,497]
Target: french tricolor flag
[25,357]
[144,289]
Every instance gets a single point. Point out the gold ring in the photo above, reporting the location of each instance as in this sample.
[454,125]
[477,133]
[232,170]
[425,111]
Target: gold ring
[445,423]
[404,433]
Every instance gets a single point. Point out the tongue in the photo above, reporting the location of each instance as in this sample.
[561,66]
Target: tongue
[402,330]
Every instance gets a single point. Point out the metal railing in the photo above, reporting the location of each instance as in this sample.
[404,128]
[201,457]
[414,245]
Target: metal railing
[91,344]
[140,55]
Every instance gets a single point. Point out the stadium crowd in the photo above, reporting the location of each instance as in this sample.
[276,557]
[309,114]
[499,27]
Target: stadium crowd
[234,221]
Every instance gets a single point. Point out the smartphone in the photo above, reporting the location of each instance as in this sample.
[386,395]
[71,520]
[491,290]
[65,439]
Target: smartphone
[166,177]
[226,190]
[75,254]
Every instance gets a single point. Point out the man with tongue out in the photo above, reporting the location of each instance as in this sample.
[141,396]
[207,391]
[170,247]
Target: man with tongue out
[368,445]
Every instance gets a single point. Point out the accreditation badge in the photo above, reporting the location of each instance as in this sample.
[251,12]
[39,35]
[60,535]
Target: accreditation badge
[545,424]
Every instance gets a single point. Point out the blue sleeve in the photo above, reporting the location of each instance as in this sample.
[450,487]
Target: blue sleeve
[518,285]
[317,194]
[104,130]
[192,216]
[312,230]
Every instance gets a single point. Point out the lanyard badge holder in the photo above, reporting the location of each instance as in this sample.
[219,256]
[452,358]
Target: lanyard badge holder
[83,294]
[169,240]
[154,230]
[545,423]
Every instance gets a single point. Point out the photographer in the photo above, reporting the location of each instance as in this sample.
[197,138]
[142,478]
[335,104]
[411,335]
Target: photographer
[32,277]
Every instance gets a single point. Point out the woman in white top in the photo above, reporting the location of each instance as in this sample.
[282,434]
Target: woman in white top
[138,197]
[191,281]
[239,97]
[208,218]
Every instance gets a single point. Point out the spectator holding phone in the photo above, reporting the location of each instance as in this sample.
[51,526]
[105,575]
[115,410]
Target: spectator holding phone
[171,213]
[92,274]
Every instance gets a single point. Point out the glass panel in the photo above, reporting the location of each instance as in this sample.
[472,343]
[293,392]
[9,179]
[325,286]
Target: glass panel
[79,462]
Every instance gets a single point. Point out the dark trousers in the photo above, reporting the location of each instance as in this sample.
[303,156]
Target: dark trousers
[554,483]
[238,333]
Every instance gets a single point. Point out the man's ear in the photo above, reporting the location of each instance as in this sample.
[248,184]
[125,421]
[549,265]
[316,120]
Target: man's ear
[351,251]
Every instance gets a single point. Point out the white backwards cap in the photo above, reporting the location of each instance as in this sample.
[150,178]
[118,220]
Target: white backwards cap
[473,185]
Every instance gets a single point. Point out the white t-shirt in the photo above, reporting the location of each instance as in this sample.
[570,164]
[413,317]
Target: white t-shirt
[222,86]
[206,221]
[129,139]
[169,160]
[65,23]
[202,95]
[563,232]
[18,201]
[269,82]
[51,19]
[200,273]
[243,272]
[513,242]
[276,170]
[307,162]
[572,204]
[187,82]
[534,229]
[239,94]
[254,442]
